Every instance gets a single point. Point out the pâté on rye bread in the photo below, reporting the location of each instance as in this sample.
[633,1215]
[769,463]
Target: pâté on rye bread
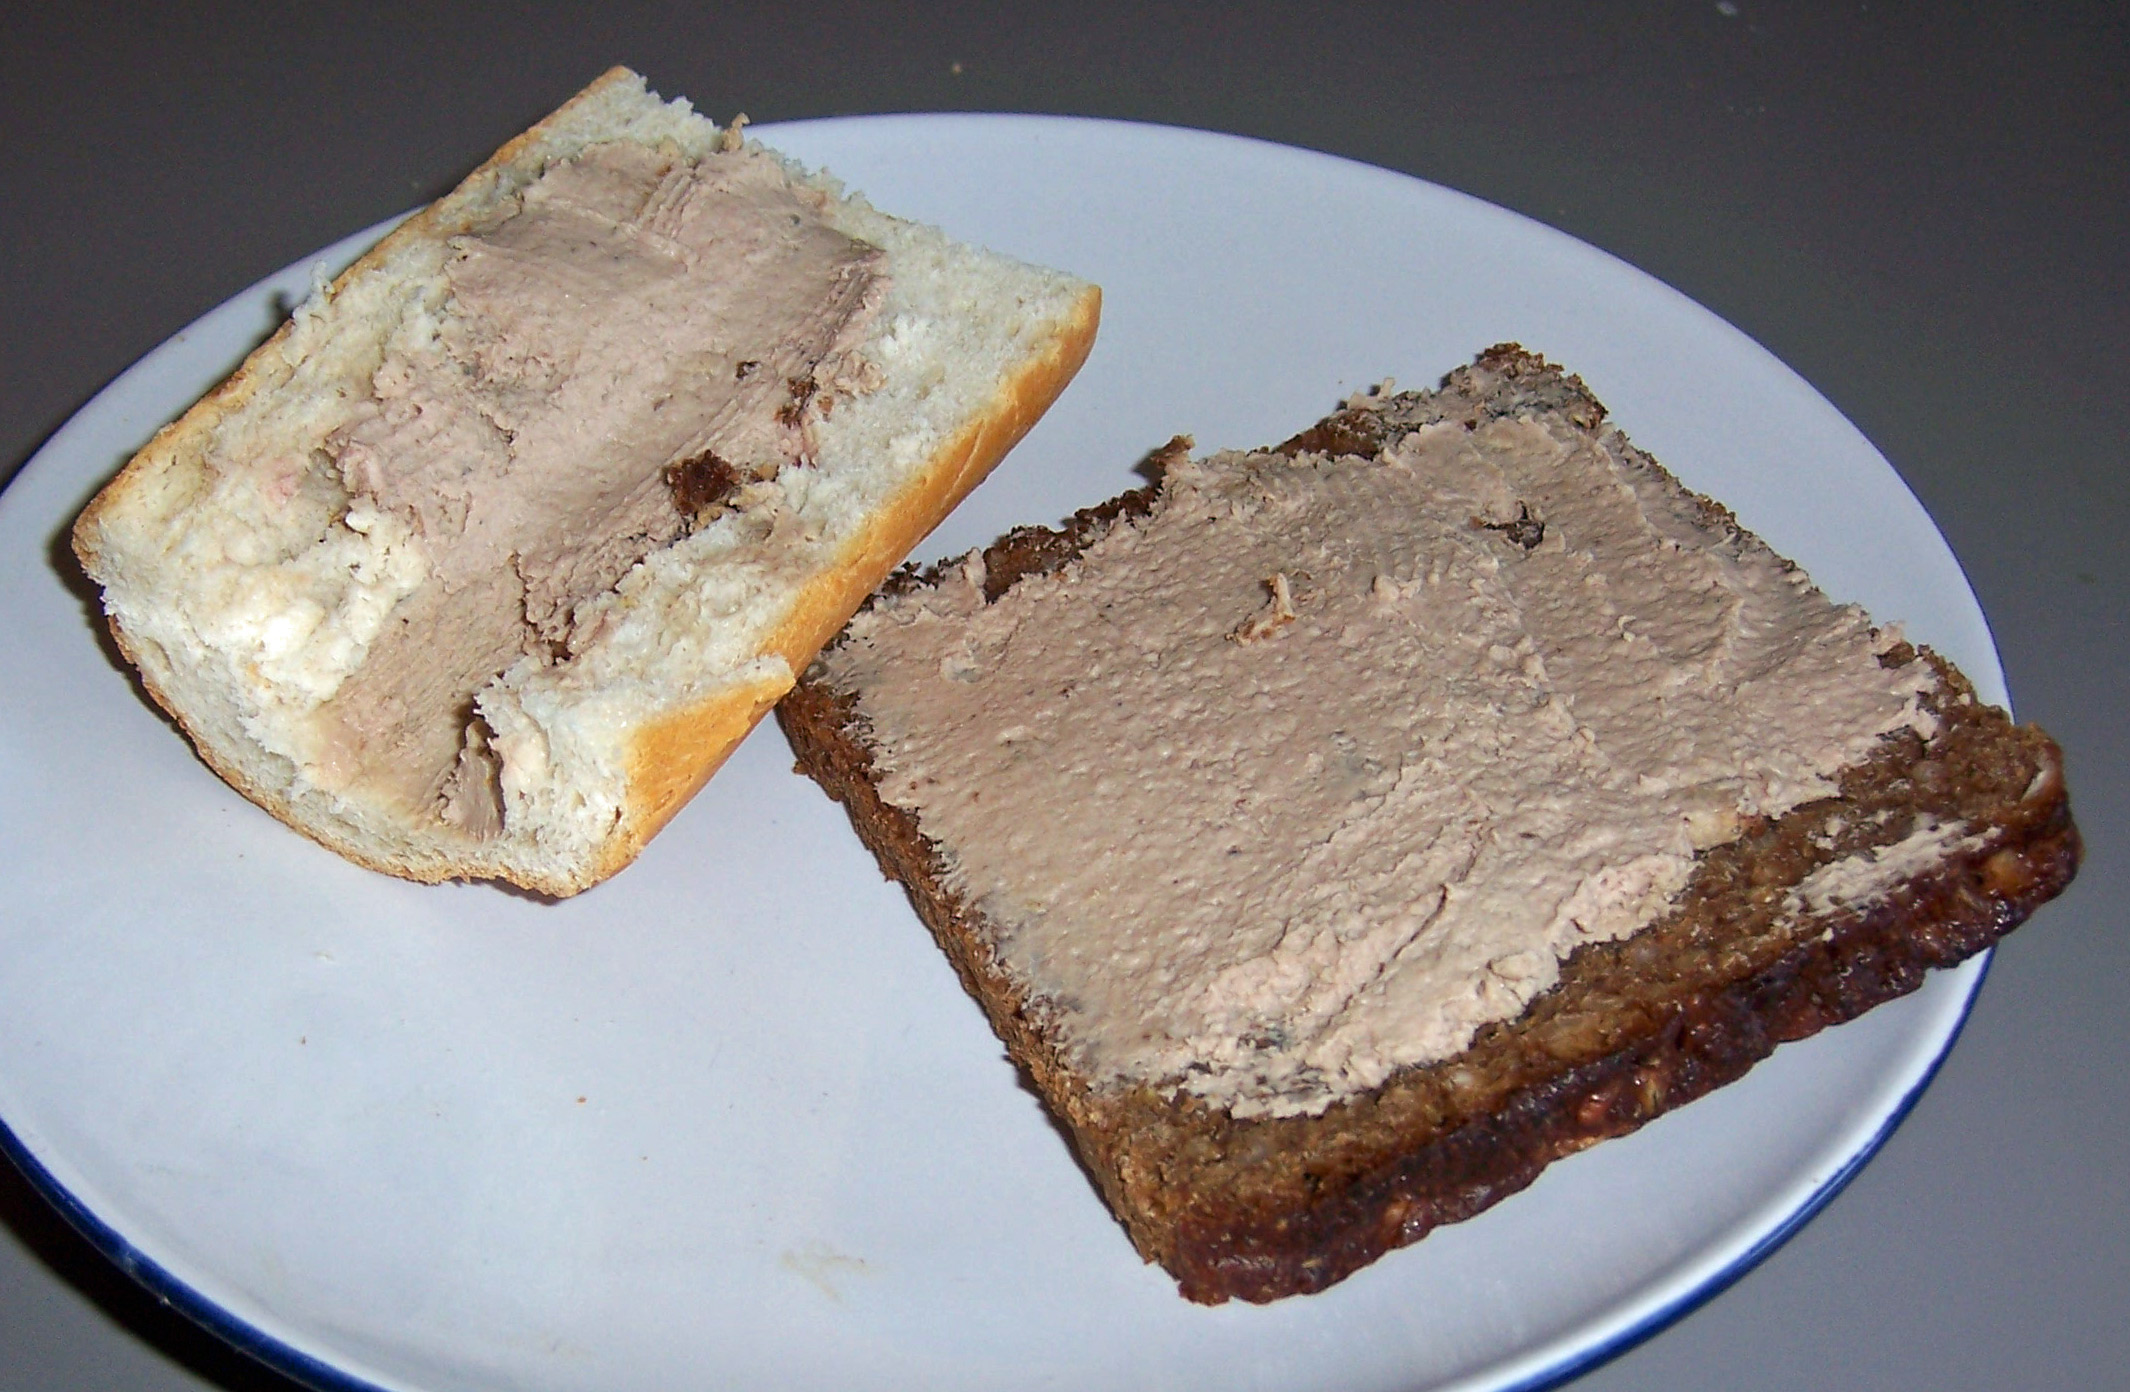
[1928,844]
[480,566]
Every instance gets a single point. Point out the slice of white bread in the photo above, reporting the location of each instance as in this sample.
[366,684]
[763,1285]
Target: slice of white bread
[240,583]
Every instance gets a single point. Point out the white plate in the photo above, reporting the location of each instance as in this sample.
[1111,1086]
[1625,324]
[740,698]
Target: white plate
[729,1119]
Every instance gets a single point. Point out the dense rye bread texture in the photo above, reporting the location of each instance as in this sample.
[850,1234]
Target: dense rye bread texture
[1266,1207]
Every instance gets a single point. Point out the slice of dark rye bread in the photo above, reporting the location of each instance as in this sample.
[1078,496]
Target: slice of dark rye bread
[1261,1208]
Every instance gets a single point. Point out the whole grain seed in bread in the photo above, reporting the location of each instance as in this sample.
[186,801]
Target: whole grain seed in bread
[480,566]
[1337,834]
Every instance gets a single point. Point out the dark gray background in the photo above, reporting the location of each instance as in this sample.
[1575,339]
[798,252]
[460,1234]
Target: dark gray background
[1922,209]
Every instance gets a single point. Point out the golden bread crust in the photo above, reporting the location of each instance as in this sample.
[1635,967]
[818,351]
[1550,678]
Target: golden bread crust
[672,754]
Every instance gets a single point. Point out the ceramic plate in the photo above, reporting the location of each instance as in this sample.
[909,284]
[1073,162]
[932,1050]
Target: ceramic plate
[729,1119]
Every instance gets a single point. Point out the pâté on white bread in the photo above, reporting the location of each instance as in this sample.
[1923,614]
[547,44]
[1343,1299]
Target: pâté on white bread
[481,565]
[1338,834]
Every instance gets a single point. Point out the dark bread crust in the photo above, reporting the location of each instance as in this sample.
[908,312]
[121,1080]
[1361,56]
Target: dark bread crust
[1258,1209]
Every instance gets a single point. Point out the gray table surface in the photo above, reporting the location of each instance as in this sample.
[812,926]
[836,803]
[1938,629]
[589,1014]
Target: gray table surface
[1925,212]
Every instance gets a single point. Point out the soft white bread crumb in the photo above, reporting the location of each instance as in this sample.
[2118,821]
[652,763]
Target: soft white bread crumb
[247,584]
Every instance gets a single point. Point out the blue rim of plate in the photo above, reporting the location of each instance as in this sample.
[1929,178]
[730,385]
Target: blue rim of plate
[284,1358]
[293,1362]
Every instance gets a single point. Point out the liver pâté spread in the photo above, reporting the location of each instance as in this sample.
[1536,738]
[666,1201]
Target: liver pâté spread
[618,359]
[1324,763]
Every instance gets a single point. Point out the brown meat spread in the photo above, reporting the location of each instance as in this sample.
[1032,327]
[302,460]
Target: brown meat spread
[1324,763]
[617,360]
